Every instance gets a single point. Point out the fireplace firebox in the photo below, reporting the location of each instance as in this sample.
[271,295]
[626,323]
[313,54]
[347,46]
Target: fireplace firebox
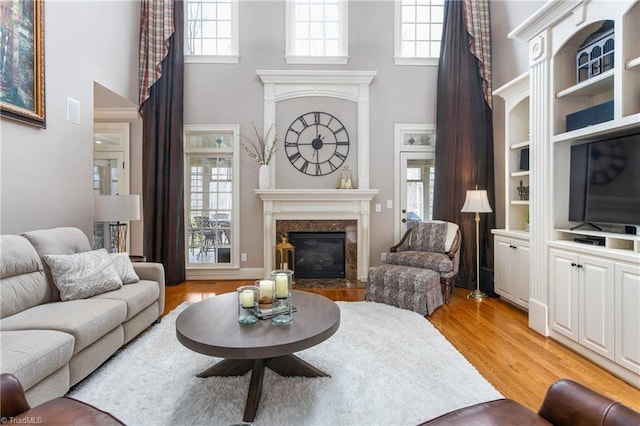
[319,254]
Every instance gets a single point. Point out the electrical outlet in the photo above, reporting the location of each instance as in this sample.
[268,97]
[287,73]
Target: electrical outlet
[243,257]
[383,256]
[389,204]
[378,208]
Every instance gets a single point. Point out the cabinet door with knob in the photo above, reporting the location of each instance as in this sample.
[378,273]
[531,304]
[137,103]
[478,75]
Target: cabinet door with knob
[582,299]
[511,276]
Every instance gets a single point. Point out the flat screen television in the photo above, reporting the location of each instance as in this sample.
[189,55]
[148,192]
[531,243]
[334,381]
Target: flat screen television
[604,185]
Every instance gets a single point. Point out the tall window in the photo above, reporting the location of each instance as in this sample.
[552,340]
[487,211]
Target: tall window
[418,31]
[316,31]
[211,31]
[211,195]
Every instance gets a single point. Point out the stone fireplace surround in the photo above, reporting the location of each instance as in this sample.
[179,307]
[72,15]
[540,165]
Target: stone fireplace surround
[348,208]
[349,227]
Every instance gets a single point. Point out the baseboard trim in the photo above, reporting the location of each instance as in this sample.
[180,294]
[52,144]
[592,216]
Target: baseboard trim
[225,274]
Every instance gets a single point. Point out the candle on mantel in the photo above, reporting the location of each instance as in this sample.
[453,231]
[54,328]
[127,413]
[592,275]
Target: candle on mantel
[266,291]
[246,298]
[282,285]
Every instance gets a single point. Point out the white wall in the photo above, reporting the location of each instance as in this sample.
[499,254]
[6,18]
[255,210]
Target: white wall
[46,173]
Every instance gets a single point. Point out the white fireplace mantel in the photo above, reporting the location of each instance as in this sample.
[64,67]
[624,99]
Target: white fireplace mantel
[318,204]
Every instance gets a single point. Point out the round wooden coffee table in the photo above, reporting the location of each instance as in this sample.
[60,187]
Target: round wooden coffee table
[211,327]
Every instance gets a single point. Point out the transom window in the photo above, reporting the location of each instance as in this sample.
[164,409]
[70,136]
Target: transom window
[418,31]
[211,31]
[316,31]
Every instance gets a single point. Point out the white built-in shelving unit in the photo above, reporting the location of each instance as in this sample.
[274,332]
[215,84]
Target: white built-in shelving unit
[584,296]
[511,244]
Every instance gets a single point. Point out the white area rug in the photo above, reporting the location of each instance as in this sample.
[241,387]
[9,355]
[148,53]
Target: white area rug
[388,366]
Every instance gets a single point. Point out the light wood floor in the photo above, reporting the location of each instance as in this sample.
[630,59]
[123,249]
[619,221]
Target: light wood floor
[492,335]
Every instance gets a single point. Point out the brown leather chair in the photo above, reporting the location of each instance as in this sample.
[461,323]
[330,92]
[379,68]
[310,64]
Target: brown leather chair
[63,411]
[566,403]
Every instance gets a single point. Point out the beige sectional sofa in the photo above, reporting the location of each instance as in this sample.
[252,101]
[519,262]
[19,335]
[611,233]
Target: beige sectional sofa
[51,345]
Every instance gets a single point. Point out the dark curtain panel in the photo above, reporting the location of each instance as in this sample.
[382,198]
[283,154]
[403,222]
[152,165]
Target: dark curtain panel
[464,134]
[162,162]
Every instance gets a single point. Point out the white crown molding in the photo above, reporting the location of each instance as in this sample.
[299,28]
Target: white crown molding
[315,76]
[113,114]
[551,12]
[517,85]
[304,195]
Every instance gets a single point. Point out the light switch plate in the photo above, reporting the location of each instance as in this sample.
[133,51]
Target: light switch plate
[73,111]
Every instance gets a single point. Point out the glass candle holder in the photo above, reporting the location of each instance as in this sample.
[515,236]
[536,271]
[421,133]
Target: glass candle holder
[248,304]
[282,301]
[265,294]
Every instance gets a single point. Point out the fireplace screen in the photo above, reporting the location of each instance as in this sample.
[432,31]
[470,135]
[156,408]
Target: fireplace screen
[319,254]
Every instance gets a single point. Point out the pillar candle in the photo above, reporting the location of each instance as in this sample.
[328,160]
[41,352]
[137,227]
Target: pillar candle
[266,290]
[285,265]
[246,298]
[282,285]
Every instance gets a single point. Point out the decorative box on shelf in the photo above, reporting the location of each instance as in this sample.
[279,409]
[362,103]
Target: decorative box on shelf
[590,116]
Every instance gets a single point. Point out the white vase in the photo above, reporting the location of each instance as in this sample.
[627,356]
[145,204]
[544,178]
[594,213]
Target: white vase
[263,177]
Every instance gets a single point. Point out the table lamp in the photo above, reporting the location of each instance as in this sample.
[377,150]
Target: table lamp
[477,202]
[116,209]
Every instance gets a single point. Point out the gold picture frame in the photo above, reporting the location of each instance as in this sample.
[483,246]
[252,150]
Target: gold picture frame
[22,61]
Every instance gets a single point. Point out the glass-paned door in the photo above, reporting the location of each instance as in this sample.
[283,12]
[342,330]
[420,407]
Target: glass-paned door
[211,196]
[417,177]
[210,207]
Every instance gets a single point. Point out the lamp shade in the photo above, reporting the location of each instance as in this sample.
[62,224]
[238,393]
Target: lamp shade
[476,201]
[116,208]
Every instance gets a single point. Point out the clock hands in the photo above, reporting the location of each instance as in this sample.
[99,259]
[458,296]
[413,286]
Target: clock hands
[317,142]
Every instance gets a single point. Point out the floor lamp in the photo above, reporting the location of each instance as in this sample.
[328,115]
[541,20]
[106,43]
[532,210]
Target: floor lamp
[116,209]
[477,202]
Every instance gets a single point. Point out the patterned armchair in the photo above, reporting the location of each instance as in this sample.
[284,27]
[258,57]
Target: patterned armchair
[433,245]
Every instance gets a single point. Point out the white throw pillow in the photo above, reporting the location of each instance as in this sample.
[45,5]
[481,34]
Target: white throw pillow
[124,268]
[83,275]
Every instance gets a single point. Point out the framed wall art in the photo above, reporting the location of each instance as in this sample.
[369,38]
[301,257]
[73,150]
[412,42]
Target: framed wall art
[22,61]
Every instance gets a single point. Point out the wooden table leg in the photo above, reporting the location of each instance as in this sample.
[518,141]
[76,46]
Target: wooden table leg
[291,365]
[255,390]
[228,367]
[287,365]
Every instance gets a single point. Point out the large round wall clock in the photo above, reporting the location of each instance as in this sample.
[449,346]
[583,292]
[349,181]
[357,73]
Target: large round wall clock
[317,143]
